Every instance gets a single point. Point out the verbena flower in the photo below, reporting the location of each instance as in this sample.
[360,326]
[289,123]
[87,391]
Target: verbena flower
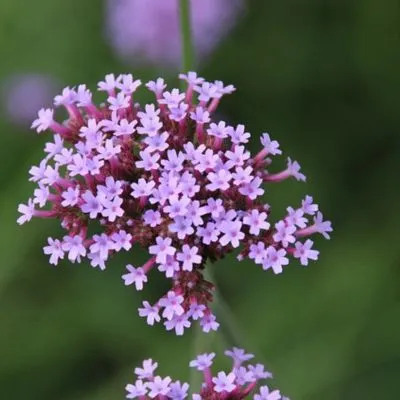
[24,94]
[136,29]
[241,382]
[177,183]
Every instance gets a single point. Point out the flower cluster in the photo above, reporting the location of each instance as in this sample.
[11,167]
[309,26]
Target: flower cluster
[240,382]
[168,178]
[136,29]
[23,94]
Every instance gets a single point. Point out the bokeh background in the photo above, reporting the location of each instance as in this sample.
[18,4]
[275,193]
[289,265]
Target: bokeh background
[323,77]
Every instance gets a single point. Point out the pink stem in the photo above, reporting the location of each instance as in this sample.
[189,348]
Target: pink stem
[213,105]
[60,129]
[260,155]
[280,176]
[307,231]
[149,264]
[200,133]
[249,388]
[208,377]
[44,214]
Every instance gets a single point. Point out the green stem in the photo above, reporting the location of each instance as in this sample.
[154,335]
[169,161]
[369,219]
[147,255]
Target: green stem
[186,36]
[228,325]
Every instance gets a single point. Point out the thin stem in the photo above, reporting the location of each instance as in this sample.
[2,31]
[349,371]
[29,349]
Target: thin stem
[228,324]
[231,331]
[186,35]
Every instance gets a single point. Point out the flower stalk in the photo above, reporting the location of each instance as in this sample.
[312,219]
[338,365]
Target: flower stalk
[186,36]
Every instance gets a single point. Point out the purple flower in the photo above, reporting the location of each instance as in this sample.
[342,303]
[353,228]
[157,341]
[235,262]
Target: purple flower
[169,267]
[27,211]
[257,252]
[142,188]
[209,233]
[296,217]
[119,102]
[147,369]
[239,135]
[321,226]
[252,189]
[218,180]
[214,207]
[178,391]
[202,361]
[196,311]
[44,120]
[188,191]
[136,276]
[150,312]
[112,208]
[136,29]
[308,207]
[156,86]
[270,146]
[172,305]
[177,206]
[258,372]
[178,323]
[256,221]
[304,252]
[74,246]
[284,233]
[223,382]
[266,394]
[102,245]
[238,355]
[24,94]
[231,233]
[158,142]
[275,259]
[162,249]
[109,84]
[148,161]
[237,157]
[112,188]
[188,256]
[209,323]
[200,115]
[54,250]
[122,240]
[92,205]
[182,227]
[70,197]
[127,84]
[240,382]
[159,386]
[136,390]
[174,161]
[152,218]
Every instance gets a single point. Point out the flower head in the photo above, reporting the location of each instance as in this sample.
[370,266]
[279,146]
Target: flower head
[240,382]
[185,189]
[137,29]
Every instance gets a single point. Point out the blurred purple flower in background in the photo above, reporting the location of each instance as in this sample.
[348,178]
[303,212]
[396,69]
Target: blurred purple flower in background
[23,94]
[147,31]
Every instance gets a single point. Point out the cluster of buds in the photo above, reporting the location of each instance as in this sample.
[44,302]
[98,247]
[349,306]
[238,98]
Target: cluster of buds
[168,178]
[243,381]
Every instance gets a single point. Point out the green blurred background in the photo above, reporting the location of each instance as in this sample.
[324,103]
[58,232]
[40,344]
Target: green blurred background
[322,76]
